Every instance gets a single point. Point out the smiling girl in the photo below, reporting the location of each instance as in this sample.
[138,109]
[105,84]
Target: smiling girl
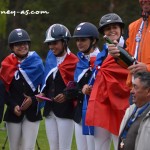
[109,96]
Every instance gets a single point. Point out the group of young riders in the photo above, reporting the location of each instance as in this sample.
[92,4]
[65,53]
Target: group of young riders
[85,94]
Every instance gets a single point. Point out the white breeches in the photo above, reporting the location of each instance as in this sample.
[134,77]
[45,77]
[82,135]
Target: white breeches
[84,142]
[22,136]
[59,132]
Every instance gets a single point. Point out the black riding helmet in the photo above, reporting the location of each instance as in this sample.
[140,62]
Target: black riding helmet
[110,18]
[87,30]
[57,32]
[18,35]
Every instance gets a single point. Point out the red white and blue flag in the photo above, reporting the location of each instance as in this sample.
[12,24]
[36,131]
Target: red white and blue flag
[109,97]
[89,130]
[31,68]
[66,68]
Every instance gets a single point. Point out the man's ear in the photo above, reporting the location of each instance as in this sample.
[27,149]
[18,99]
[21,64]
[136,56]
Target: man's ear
[148,94]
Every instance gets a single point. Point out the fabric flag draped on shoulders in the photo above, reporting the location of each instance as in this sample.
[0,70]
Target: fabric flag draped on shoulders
[89,130]
[109,97]
[66,69]
[31,68]
[86,62]
[84,65]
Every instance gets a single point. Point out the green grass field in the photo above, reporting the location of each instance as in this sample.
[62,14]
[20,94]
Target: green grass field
[42,140]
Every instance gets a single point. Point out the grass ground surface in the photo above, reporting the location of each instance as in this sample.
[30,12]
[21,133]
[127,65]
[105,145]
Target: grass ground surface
[42,140]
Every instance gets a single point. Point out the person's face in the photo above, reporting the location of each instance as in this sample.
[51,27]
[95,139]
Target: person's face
[140,94]
[57,47]
[145,5]
[113,31]
[21,49]
[83,44]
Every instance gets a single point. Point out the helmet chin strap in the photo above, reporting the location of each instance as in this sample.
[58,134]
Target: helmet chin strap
[21,57]
[64,49]
[60,53]
[89,48]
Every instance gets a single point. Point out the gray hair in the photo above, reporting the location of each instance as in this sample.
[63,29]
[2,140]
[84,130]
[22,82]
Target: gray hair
[144,78]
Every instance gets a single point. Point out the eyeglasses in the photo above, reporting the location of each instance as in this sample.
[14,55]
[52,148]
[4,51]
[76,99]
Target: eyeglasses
[18,44]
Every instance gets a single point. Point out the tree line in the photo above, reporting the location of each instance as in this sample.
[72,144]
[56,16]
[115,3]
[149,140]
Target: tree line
[67,12]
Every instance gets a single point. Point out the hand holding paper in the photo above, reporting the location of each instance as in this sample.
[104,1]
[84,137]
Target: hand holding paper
[26,103]
[40,97]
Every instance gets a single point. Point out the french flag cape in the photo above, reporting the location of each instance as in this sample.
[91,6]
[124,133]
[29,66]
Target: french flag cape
[31,68]
[82,67]
[66,68]
[109,97]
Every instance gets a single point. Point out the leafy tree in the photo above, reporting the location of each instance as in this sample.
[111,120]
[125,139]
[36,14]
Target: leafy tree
[67,12]
[3,22]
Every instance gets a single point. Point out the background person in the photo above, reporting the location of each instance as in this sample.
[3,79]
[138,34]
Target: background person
[135,126]
[59,70]
[109,96]
[137,42]
[22,73]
